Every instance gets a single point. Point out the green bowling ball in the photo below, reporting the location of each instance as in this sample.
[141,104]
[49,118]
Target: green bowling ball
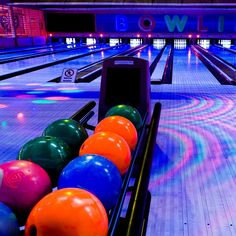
[128,112]
[70,131]
[51,153]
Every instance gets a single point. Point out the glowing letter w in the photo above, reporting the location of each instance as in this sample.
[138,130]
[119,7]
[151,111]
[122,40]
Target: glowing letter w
[175,22]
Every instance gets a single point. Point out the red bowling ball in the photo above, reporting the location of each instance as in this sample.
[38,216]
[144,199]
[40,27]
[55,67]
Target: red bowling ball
[22,185]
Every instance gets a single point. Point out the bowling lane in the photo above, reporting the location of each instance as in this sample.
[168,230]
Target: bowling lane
[188,69]
[149,53]
[233,47]
[21,49]
[49,73]
[224,54]
[28,63]
[32,52]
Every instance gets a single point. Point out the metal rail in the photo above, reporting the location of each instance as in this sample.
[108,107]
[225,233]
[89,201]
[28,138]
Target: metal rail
[114,216]
[83,111]
[136,210]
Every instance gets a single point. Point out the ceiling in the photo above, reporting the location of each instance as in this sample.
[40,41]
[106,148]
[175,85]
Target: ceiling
[130,5]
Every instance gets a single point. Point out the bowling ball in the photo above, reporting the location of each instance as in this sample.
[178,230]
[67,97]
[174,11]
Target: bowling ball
[8,222]
[70,131]
[68,212]
[96,174]
[128,112]
[119,125]
[110,145]
[23,184]
[51,153]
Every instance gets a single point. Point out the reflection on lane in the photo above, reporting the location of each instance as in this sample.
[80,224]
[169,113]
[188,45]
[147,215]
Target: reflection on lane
[224,54]
[31,62]
[188,69]
[52,72]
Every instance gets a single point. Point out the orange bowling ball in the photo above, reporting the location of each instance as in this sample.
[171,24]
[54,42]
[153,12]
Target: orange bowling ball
[119,125]
[68,212]
[110,145]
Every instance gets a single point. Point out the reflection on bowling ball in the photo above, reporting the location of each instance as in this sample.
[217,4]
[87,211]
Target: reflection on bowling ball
[70,131]
[50,153]
[129,112]
[68,212]
[96,174]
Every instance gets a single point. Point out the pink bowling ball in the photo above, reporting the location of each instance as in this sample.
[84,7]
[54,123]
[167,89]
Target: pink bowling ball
[22,185]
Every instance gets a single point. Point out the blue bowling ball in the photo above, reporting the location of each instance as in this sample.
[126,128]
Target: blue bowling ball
[8,222]
[95,174]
